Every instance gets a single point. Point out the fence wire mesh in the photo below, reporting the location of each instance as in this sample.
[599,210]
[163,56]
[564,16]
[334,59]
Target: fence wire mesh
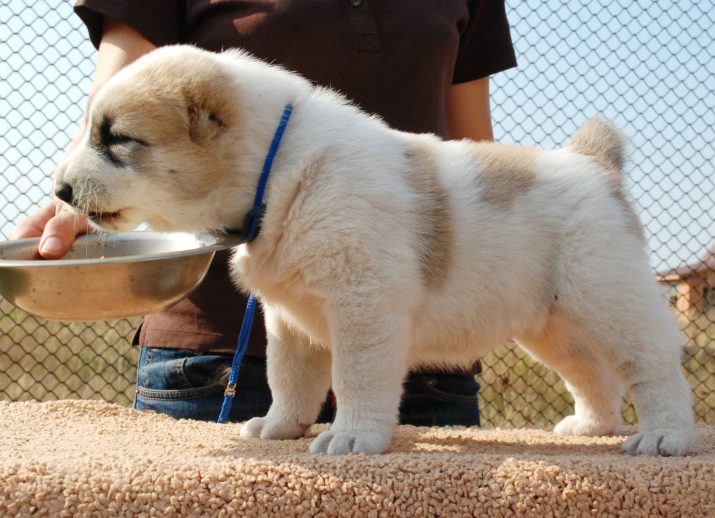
[648,66]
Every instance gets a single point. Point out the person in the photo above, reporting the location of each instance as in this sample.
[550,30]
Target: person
[422,66]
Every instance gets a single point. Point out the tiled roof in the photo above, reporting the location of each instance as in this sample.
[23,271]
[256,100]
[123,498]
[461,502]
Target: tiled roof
[704,264]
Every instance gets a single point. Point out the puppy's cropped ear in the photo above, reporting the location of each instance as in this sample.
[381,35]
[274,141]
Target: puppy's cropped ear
[204,124]
[209,98]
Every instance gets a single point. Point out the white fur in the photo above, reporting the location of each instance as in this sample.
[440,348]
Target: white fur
[336,265]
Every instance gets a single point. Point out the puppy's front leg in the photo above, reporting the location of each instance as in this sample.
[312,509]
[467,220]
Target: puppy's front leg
[299,378]
[369,347]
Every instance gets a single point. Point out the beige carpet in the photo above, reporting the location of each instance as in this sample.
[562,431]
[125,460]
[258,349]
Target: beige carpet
[92,458]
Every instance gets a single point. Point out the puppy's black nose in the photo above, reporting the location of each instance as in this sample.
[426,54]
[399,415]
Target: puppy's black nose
[64,192]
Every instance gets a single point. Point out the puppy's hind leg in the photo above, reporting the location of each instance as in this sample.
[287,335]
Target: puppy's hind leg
[629,342]
[662,396]
[299,378]
[638,338]
[597,392]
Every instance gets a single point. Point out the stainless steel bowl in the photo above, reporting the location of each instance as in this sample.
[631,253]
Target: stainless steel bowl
[107,276]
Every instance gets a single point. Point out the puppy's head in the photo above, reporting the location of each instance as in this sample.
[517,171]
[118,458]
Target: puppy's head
[160,138]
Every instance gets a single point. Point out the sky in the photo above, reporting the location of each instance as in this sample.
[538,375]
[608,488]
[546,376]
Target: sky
[648,66]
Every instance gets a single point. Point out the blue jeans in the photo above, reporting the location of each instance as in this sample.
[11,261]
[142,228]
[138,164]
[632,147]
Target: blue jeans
[189,385]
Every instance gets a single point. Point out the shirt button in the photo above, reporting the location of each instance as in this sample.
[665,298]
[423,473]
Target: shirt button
[356,3]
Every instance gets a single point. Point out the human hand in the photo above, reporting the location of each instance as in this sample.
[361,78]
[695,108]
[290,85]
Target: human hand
[57,225]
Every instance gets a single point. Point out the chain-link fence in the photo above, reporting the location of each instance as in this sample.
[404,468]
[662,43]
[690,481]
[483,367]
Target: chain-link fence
[648,66]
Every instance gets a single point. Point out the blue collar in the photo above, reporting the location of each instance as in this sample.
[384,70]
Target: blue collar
[252,221]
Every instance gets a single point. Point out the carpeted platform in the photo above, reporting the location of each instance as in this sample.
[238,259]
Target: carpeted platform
[92,458]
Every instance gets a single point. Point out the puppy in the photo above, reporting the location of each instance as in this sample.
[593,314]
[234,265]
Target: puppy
[381,250]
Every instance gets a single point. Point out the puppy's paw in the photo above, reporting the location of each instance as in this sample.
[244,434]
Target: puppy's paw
[268,428]
[252,428]
[674,443]
[339,441]
[573,425]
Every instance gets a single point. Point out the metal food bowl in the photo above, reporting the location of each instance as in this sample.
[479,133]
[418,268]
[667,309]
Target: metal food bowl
[107,276]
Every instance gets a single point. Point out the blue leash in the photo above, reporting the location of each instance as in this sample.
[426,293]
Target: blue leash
[251,227]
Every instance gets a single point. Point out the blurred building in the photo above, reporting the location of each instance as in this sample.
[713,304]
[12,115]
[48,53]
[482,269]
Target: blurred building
[692,285]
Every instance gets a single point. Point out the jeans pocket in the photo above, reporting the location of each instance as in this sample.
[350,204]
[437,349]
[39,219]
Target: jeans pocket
[172,374]
[177,374]
[160,369]
[188,385]
[440,400]
[179,394]
[449,398]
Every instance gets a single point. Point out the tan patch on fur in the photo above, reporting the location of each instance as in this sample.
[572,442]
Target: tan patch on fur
[180,109]
[505,171]
[173,96]
[433,214]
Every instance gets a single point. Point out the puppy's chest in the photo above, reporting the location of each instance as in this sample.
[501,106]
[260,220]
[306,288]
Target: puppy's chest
[283,291]
[257,271]
[299,310]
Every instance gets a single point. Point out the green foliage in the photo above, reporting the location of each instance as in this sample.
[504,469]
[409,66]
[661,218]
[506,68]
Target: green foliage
[44,361]
[518,391]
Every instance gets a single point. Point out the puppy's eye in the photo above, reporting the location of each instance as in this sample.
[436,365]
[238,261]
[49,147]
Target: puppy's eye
[119,138]
[113,144]
[111,137]
[114,139]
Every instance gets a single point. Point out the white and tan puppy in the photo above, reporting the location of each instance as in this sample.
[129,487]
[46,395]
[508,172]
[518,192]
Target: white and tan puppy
[382,250]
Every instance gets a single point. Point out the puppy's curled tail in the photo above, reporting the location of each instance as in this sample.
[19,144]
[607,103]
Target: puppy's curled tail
[602,141]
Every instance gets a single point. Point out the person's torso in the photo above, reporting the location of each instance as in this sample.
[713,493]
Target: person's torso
[395,58]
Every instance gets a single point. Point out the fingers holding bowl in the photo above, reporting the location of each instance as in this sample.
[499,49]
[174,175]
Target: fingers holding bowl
[57,224]
[60,232]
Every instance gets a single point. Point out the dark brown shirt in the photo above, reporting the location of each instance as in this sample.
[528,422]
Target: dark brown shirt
[396,58]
